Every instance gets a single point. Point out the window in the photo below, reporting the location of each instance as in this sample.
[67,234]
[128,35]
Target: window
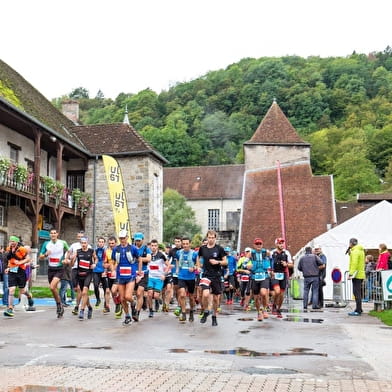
[14,152]
[52,167]
[75,179]
[213,219]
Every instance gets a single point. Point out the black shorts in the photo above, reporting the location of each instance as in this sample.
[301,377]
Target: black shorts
[188,285]
[142,282]
[17,279]
[111,282]
[55,273]
[257,285]
[168,280]
[74,277]
[98,278]
[212,283]
[84,280]
[281,283]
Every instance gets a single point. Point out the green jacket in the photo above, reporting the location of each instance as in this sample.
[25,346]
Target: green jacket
[357,262]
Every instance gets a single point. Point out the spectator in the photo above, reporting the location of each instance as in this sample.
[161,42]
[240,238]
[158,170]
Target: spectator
[370,267]
[356,273]
[383,258]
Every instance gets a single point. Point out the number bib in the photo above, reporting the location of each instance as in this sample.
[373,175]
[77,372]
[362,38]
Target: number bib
[279,275]
[125,272]
[259,276]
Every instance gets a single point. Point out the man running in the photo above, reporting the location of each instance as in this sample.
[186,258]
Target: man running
[214,258]
[85,260]
[281,262]
[100,276]
[186,263]
[112,276]
[17,257]
[54,251]
[126,257]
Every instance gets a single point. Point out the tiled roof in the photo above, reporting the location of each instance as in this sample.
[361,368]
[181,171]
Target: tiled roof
[205,182]
[26,98]
[308,206]
[275,128]
[114,138]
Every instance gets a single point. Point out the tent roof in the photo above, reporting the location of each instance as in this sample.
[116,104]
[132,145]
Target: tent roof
[371,227]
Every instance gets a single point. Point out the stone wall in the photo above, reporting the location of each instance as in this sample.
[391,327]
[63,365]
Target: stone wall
[19,224]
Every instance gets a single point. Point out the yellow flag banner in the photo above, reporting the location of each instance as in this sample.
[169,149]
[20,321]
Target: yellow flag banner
[117,193]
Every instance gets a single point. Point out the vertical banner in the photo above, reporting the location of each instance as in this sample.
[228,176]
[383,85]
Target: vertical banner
[117,194]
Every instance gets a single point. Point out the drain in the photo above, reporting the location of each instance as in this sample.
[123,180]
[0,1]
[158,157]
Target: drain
[245,319]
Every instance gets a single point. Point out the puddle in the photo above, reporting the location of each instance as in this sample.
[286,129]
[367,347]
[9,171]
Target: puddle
[246,331]
[179,350]
[243,352]
[264,370]
[87,347]
[303,320]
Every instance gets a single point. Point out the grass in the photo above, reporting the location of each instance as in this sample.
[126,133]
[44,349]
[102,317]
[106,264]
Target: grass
[44,292]
[385,316]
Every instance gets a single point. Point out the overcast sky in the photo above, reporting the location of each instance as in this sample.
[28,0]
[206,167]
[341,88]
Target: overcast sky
[127,46]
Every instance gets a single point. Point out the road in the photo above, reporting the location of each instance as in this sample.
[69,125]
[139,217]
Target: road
[301,352]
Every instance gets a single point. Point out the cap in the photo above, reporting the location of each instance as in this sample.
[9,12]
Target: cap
[257,240]
[138,236]
[317,247]
[353,241]
[248,249]
[122,234]
[227,249]
[279,240]
[14,238]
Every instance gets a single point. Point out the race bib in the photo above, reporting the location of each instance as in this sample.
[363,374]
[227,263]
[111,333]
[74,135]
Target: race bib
[84,264]
[279,275]
[259,276]
[14,269]
[54,262]
[125,272]
[205,282]
[244,278]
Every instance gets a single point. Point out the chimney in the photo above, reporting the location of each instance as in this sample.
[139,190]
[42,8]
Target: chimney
[70,109]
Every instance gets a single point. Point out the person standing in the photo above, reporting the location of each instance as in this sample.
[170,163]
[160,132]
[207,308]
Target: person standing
[214,258]
[356,273]
[54,251]
[323,274]
[370,268]
[383,258]
[17,258]
[310,264]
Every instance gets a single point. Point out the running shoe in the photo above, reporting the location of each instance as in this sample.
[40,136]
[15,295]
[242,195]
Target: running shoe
[90,312]
[157,305]
[9,312]
[97,303]
[31,301]
[75,311]
[182,317]
[117,309]
[135,316]
[127,320]
[260,316]
[151,314]
[165,308]
[106,310]
[177,311]
[60,311]
[214,322]
[81,315]
[278,313]
[265,314]
[191,316]
[204,317]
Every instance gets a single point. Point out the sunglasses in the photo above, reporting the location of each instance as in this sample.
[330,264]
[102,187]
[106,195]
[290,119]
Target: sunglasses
[258,243]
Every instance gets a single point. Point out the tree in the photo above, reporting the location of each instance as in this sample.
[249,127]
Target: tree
[178,217]
[79,92]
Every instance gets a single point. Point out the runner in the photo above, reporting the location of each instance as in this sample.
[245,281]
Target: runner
[173,261]
[229,271]
[100,276]
[112,276]
[126,257]
[144,258]
[157,268]
[186,263]
[244,277]
[214,258]
[85,260]
[167,291]
[17,258]
[260,265]
[54,251]
[281,261]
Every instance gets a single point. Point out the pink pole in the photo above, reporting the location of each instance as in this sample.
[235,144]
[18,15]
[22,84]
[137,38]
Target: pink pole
[281,205]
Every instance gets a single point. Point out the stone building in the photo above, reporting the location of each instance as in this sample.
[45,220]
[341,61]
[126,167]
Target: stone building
[52,147]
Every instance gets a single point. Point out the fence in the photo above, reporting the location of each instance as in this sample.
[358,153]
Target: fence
[372,290]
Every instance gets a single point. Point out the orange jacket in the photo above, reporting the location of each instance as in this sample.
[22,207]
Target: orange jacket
[20,254]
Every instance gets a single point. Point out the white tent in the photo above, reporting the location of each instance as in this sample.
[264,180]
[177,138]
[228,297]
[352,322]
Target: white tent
[371,227]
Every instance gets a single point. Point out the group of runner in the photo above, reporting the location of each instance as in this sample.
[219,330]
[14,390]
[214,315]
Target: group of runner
[140,276]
